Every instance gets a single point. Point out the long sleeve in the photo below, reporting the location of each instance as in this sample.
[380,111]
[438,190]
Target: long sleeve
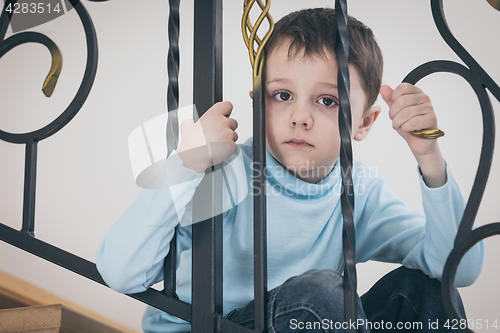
[388,231]
[130,258]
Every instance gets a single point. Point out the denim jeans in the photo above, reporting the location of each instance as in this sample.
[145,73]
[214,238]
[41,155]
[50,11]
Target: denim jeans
[404,300]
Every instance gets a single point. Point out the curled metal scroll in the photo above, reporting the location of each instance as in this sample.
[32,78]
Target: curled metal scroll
[31,139]
[25,239]
[85,86]
[479,81]
[347,196]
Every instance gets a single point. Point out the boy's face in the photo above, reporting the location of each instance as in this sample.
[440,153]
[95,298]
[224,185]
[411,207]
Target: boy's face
[302,112]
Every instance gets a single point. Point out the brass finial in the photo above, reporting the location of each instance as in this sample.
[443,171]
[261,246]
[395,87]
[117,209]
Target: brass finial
[250,40]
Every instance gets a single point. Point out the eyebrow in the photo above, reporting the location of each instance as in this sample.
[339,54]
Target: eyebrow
[279,80]
[329,85]
[325,84]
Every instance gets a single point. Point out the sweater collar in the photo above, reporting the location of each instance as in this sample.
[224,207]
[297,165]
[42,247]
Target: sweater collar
[280,179]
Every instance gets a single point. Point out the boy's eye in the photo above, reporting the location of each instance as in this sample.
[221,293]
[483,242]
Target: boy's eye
[326,101]
[283,96]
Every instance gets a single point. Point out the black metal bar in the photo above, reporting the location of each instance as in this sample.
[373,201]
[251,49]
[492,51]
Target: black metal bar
[88,269]
[169,264]
[347,196]
[488,143]
[207,235]
[454,44]
[465,238]
[451,266]
[173,76]
[169,269]
[479,81]
[230,327]
[207,255]
[29,188]
[5,18]
[259,210]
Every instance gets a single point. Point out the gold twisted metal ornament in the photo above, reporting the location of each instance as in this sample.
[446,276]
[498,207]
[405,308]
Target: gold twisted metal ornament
[428,134]
[246,26]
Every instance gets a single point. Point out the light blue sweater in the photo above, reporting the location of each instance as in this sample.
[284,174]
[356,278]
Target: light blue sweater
[304,225]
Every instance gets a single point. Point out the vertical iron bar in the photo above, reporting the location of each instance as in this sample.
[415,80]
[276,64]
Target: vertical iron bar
[173,76]
[207,235]
[169,264]
[29,188]
[259,210]
[169,269]
[347,196]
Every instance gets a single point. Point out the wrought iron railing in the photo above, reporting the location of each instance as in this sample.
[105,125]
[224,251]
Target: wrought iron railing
[205,312]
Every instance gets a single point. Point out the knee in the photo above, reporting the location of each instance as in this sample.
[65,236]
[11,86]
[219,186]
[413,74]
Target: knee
[322,288]
[428,290]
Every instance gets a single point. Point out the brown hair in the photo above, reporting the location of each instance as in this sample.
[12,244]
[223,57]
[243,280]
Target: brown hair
[314,30]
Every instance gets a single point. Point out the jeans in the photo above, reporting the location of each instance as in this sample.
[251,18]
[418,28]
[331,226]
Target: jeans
[404,300]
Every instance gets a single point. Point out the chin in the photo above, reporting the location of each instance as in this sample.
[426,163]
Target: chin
[298,164]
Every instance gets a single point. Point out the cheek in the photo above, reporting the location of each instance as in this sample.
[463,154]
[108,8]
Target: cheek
[270,133]
[272,124]
[331,137]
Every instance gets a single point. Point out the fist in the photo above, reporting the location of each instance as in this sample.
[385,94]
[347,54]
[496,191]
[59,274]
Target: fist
[210,140]
[411,110]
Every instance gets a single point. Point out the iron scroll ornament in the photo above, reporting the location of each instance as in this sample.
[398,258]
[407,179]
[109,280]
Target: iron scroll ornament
[25,239]
[479,80]
[31,139]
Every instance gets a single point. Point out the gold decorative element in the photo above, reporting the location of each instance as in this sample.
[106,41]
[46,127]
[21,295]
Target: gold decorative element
[55,70]
[256,56]
[428,134]
[495,4]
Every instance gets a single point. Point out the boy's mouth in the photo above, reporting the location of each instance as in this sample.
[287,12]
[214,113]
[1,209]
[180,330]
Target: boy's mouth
[299,143]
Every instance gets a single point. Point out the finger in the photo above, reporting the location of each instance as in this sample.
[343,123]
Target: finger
[416,123]
[406,114]
[225,108]
[405,88]
[419,121]
[386,93]
[233,124]
[403,102]
[229,135]
[186,124]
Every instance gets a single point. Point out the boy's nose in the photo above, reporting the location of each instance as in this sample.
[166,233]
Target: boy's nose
[301,116]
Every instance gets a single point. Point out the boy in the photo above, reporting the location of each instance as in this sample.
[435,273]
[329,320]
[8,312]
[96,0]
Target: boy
[303,194]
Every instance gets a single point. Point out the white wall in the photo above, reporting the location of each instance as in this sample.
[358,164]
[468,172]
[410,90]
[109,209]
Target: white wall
[84,175]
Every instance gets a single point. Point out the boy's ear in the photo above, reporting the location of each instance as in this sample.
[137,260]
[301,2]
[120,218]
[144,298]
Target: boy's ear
[251,94]
[366,122]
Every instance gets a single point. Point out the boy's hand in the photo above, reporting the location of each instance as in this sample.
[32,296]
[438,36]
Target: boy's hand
[210,140]
[411,110]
